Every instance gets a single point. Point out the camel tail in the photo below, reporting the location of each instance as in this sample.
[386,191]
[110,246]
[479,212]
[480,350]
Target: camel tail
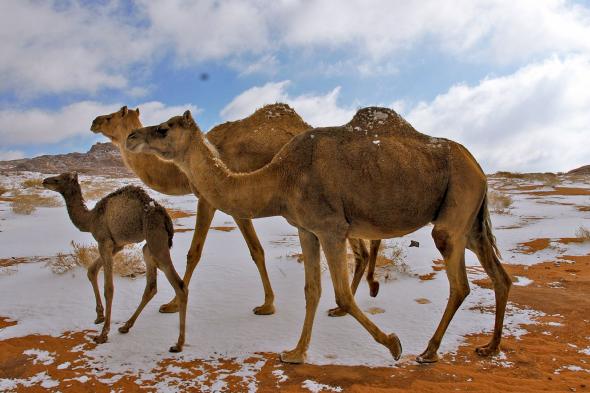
[487,237]
[169,229]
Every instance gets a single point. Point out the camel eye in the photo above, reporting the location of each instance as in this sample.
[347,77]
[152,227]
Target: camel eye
[162,130]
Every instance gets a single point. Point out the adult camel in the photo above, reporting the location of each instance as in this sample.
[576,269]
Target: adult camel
[244,145]
[332,183]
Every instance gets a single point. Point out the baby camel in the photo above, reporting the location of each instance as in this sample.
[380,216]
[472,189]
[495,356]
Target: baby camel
[123,217]
[356,181]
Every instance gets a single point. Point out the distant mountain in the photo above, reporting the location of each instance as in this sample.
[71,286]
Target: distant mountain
[102,159]
[583,170]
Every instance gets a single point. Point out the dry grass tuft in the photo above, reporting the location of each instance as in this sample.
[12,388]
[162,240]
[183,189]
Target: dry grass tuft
[498,202]
[583,233]
[3,189]
[127,263]
[28,203]
[32,183]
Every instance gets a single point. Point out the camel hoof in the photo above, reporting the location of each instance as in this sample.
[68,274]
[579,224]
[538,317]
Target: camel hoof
[99,320]
[175,348]
[100,339]
[394,345]
[336,312]
[374,288]
[169,308]
[294,357]
[487,350]
[124,329]
[426,358]
[264,310]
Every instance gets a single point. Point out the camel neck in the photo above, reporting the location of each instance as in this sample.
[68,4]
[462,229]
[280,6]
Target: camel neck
[77,210]
[243,195]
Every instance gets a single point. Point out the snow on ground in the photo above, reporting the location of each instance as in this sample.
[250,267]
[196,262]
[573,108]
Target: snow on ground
[226,286]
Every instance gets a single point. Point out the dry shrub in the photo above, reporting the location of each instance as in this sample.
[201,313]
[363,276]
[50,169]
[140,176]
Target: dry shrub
[549,179]
[583,233]
[3,189]
[127,263]
[498,202]
[28,203]
[32,183]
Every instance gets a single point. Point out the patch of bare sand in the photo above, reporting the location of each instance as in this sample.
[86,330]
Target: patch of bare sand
[538,361]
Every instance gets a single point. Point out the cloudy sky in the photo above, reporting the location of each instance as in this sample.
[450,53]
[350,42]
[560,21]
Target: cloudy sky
[508,79]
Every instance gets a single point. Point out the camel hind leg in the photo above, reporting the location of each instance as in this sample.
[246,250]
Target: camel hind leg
[151,288]
[361,258]
[482,243]
[452,248]
[157,243]
[373,284]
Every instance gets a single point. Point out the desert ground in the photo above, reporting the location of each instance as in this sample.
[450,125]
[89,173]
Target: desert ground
[541,222]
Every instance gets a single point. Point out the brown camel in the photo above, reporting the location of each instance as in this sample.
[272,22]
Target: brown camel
[332,183]
[123,217]
[244,145]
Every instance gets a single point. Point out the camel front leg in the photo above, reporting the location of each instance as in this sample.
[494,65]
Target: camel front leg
[106,254]
[335,251]
[151,288]
[92,274]
[313,290]
[257,253]
[205,213]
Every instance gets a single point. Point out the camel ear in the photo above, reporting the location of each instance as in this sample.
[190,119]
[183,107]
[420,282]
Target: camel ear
[74,176]
[137,110]
[188,117]
[124,111]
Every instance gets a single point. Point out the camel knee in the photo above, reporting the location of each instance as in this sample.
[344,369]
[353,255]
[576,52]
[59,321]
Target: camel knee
[257,253]
[312,293]
[460,292]
[194,254]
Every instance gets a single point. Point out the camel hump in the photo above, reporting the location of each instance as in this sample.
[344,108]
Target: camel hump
[375,118]
[279,114]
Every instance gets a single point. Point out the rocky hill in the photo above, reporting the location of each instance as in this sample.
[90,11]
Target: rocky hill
[583,170]
[102,159]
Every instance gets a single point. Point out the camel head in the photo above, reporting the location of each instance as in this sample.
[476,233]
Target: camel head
[168,141]
[117,125]
[61,183]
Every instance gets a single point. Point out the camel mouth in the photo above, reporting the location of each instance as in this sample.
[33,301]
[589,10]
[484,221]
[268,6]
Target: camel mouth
[134,145]
[48,183]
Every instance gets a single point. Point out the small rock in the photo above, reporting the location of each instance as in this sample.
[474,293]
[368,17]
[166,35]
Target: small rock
[414,243]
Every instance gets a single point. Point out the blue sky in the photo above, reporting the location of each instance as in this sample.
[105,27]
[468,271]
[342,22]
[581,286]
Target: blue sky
[510,80]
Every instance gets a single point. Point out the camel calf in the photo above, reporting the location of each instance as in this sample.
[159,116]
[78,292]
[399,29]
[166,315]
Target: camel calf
[123,217]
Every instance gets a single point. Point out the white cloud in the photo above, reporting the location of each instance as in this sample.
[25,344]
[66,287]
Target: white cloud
[56,47]
[536,119]
[155,112]
[63,46]
[205,30]
[317,110]
[7,155]
[35,126]
[501,31]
